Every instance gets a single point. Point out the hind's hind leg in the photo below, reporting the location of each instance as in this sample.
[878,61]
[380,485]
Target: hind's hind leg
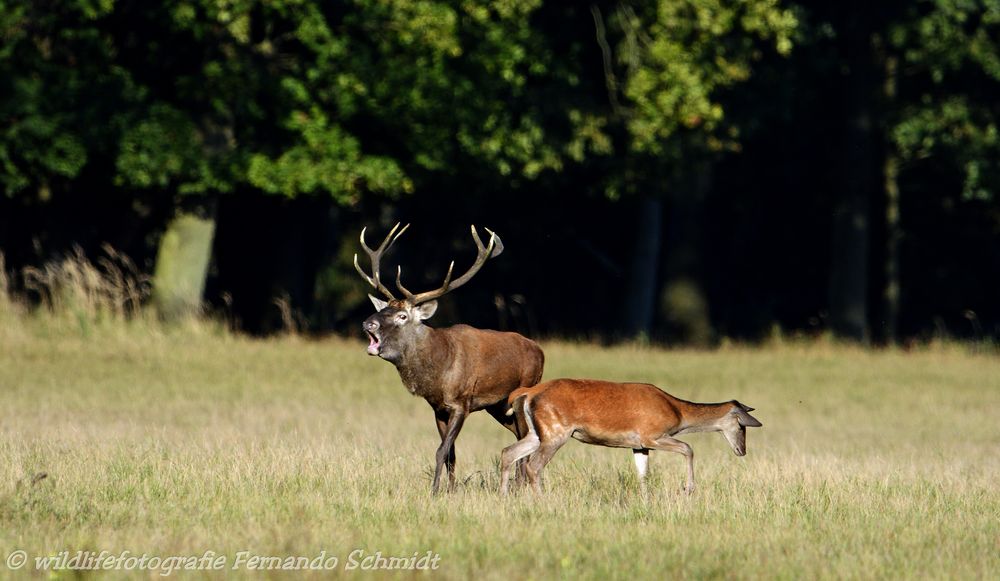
[546,450]
[511,454]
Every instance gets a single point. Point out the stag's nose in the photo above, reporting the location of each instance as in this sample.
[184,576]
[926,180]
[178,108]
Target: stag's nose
[370,325]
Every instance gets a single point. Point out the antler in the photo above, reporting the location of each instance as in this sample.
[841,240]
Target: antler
[376,256]
[494,249]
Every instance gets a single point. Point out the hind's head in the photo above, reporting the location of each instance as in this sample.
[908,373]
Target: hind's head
[734,426]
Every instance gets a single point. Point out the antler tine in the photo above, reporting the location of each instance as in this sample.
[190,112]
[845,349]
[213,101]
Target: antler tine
[494,239]
[357,267]
[375,256]
[387,243]
[399,284]
[484,253]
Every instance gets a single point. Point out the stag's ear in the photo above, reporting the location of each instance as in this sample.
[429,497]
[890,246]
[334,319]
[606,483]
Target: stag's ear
[379,303]
[424,311]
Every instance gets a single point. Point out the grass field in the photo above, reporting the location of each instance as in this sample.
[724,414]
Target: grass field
[869,464]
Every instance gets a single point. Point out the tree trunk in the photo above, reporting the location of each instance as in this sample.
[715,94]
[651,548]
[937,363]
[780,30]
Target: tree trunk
[182,265]
[640,297]
[851,215]
[683,302]
[893,229]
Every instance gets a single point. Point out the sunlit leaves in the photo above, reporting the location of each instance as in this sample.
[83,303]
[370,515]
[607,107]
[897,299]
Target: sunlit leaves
[950,72]
[296,97]
[328,160]
[679,56]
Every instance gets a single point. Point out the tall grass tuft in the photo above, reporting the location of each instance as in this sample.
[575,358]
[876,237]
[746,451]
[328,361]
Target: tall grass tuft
[113,288]
[8,307]
[75,290]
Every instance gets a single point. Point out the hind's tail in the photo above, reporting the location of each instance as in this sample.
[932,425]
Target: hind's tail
[527,443]
[517,402]
[520,404]
[517,394]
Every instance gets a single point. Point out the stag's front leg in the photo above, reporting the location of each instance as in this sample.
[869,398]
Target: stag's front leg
[441,418]
[446,452]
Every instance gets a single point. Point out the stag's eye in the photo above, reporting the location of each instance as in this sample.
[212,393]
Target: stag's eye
[401,317]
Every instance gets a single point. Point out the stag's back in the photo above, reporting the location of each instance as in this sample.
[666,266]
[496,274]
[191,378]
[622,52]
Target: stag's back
[491,364]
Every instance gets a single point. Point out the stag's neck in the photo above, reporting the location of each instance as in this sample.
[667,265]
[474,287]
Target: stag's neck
[424,361]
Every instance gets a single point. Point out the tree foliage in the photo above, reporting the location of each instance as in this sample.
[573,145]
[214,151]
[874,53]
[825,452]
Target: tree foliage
[160,108]
[296,97]
[291,97]
[682,56]
[948,55]
[667,68]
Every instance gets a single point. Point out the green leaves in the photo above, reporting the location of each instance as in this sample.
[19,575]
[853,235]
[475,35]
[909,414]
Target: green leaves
[158,150]
[34,147]
[296,97]
[949,75]
[330,161]
[964,133]
[678,57]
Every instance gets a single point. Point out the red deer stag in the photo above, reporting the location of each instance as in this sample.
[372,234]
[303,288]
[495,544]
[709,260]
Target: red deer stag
[639,416]
[458,370]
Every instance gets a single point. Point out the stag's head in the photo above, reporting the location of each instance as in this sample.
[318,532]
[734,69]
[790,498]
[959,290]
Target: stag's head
[397,324]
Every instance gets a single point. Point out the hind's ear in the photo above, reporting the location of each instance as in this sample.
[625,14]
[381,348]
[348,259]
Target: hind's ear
[745,419]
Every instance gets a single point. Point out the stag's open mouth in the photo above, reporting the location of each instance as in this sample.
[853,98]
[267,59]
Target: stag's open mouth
[374,343]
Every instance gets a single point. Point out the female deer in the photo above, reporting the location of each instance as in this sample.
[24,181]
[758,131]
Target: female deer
[639,416]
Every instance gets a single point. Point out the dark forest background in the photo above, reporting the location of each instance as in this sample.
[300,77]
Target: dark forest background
[682,171]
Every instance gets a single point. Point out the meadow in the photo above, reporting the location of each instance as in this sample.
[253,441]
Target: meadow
[870,464]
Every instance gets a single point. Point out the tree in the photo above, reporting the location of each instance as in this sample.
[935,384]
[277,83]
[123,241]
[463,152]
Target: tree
[667,67]
[918,86]
[197,99]
[941,64]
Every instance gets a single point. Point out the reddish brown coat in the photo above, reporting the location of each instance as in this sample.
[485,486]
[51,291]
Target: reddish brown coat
[639,416]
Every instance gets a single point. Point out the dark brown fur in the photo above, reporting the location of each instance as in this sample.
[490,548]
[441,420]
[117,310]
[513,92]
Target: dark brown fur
[458,370]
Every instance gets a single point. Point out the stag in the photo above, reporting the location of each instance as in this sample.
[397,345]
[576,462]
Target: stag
[457,370]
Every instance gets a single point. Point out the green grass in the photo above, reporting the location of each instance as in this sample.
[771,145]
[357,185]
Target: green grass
[869,464]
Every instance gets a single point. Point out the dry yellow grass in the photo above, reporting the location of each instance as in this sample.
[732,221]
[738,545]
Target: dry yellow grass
[869,465]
